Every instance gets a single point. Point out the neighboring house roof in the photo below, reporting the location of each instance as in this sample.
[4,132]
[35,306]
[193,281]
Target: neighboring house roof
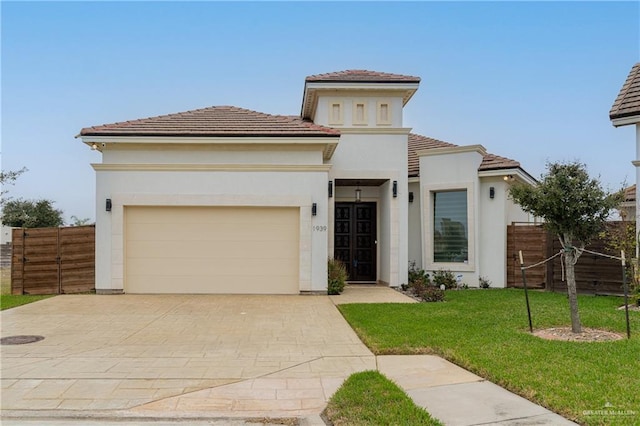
[630,193]
[627,103]
[419,142]
[214,121]
[363,76]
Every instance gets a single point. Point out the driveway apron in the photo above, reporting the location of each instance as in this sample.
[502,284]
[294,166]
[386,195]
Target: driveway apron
[188,355]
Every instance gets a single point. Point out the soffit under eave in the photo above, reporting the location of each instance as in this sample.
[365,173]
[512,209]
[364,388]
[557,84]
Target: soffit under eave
[517,173]
[626,120]
[325,144]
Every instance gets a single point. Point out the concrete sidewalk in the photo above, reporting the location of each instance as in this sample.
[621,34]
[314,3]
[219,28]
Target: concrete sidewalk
[459,398]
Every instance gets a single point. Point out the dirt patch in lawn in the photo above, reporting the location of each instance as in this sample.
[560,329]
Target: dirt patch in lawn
[587,335]
[635,308]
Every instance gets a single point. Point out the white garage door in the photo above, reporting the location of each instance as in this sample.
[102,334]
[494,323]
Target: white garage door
[250,250]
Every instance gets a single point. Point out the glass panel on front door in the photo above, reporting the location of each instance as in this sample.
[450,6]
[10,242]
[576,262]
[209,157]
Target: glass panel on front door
[355,239]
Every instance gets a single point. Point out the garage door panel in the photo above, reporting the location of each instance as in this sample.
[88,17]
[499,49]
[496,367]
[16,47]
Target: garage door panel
[205,285]
[210,267]
[204,215]
[212,250]
[205,250]
[208,232]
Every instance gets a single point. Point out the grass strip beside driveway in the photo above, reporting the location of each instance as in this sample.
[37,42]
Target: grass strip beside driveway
[8,301]
[486,332]
[369,398]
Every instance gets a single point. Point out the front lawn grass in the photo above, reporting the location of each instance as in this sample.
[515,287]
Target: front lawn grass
[369,398]
[486,332]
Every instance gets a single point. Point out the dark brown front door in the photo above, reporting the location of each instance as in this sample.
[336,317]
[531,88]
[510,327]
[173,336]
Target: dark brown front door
[355,239]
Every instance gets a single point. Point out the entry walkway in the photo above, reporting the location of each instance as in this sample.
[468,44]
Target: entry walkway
[448,392]
[218,358]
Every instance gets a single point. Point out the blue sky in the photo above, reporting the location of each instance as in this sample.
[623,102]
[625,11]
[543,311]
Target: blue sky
[533,81]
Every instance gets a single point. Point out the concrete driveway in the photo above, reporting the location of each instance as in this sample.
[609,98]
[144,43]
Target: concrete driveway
[188,355]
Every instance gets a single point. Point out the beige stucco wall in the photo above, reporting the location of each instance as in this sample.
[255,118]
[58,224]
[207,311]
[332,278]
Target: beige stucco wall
[487,217]
[415,226]
[492,230]
[166,180]
[212,154]
[379,156]
[349,98]
[373,150]
[443,170]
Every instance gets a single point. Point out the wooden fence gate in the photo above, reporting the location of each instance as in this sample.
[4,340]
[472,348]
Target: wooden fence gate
[53,260]
[594,274]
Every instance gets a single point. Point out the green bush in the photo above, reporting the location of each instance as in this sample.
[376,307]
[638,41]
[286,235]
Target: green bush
[417,274]
[444,277]
[421,286]
[337,276]
[484,282]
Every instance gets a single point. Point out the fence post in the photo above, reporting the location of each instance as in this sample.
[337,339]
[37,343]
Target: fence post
[526,294]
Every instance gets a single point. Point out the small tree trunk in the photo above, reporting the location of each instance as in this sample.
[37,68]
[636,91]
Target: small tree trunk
[571,257]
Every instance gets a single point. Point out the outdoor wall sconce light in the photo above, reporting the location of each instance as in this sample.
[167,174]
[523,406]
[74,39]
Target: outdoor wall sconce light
[108,205]
[395,189]
[94,147]
[330,188]
[411,197]
[358,193]
[314,209]
[492,192]
[508,178]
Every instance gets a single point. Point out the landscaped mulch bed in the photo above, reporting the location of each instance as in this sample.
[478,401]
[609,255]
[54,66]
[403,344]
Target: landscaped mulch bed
[587,335]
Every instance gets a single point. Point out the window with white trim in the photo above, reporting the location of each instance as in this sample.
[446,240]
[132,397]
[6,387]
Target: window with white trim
[450,227]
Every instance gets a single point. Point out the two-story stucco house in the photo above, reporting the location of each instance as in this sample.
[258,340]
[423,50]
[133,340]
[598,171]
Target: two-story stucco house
[228,200]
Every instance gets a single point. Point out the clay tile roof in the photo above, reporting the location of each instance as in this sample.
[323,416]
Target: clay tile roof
[213,121]
[495,162]
[362,76]
[418,143]
[628,101]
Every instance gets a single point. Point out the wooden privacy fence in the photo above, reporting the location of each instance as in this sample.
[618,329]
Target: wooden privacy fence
[594,274]
[53,260]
